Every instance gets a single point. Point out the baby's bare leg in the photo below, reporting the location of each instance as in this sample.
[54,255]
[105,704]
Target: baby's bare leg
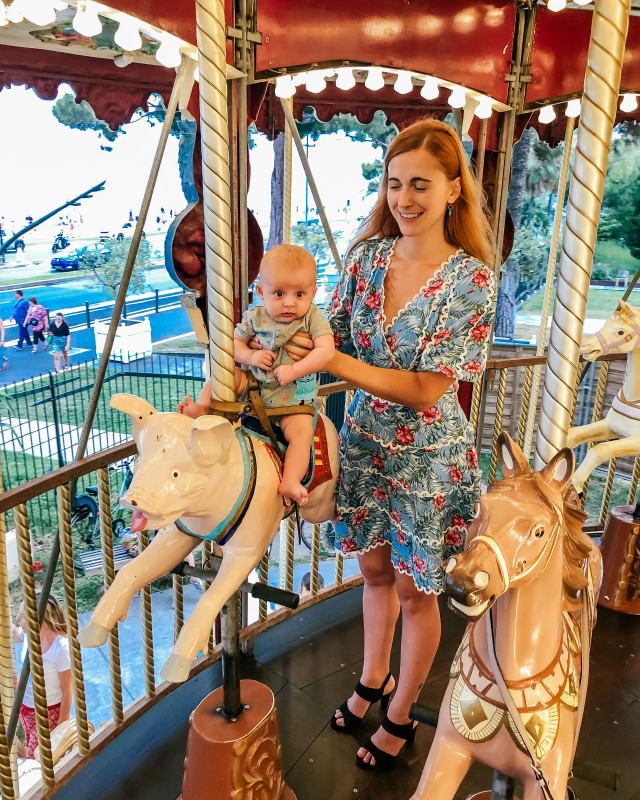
[297,430]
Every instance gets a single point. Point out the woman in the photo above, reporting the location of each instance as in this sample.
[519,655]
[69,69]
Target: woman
[57,671]
[37,316]
[61,341]
[415,302]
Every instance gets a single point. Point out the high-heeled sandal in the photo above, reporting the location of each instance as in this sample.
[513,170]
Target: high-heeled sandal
[383,759]
[367,693]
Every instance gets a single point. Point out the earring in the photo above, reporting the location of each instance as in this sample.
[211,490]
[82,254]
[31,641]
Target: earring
[450,207]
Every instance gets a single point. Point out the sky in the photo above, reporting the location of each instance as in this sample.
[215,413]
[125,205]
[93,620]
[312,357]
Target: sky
[44,163]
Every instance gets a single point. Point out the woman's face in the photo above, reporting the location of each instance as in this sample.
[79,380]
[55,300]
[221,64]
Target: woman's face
[418,192]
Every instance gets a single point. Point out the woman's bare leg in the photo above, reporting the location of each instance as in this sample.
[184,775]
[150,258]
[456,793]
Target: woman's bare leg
[420,640]
[380,609]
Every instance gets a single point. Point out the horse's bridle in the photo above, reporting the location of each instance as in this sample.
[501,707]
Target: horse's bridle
[607,347]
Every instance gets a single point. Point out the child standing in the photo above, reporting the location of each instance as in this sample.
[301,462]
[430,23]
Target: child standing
[286,286]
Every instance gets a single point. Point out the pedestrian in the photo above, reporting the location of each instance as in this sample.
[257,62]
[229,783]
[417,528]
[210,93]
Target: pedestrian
[416,303]
[20,311]
[57,670]
[60,341]
[38,318]
[3,358]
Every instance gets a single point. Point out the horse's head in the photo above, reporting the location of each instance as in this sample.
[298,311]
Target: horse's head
[514,532]
[619,334]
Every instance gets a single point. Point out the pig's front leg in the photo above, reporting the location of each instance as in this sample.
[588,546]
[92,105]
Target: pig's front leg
[167,549]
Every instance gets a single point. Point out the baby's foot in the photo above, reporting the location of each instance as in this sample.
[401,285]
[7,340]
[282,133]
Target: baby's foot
[190,408]
[293,490]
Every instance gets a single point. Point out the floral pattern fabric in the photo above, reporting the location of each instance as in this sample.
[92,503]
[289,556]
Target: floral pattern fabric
[411,478]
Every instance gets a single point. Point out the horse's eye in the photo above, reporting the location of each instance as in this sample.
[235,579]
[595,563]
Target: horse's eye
[538,532]
[175,474]
[620,333]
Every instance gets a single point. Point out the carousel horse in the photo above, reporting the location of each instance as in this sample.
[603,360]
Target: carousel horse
[527,582]
[619,334]
[204,479]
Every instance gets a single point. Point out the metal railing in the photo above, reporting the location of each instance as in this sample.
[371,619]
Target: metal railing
[506,402]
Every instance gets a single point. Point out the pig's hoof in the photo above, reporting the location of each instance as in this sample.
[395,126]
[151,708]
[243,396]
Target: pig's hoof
[176,669]
[93,635]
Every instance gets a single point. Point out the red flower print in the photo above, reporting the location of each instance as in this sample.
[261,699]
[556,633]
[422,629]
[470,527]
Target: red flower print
[353,268]
[361,286]
[474,367]
[453,538]
[348,546]
[392,341]
[419,563]
[359,515]
[474,319]
[456,475]
[337,341]
[459,522]
[480,332]
[348,307]
[481,278]
[380,261]
[472,459]
[363,340]
[443,335]
[378,540]
[379,317]
[402,536]
[372,300]
[378,405]
[404,435]
[432,291]
[423,344]
[445,370]
[431,415]
[380,494]
[377,462]
[438,501]
[395,516]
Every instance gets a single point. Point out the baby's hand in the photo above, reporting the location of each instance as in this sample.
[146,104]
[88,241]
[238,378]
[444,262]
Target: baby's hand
[262,358]
[284,374]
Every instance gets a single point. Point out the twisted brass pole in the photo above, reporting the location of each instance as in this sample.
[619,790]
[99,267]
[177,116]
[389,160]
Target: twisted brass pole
[597,118]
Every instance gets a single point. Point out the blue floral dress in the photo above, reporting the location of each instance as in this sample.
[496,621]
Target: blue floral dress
[411,478]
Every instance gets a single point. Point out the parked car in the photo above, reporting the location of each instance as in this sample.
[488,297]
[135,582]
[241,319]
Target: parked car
[73,261]
[65,263]
[14,246]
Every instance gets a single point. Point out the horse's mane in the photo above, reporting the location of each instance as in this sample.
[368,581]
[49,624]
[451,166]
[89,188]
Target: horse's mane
[576,543]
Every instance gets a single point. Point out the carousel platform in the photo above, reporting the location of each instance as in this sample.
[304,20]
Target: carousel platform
[311,662]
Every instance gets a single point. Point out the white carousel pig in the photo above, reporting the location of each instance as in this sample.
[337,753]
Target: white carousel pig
[199,479]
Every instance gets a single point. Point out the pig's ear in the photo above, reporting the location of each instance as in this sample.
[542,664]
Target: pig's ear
[136,408]
[211,439]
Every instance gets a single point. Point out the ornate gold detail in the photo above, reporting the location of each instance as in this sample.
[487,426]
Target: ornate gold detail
[542,727]
[475,719]
[257,764]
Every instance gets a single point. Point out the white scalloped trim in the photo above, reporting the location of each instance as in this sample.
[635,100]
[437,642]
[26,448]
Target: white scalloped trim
[432,279]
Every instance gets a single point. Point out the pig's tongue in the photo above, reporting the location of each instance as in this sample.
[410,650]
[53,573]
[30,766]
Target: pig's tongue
[138,521]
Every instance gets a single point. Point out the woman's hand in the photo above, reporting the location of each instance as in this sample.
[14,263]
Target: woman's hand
[299,346]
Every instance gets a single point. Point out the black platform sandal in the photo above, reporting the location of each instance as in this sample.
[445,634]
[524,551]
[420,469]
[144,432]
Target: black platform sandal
[372,696]
[383,759]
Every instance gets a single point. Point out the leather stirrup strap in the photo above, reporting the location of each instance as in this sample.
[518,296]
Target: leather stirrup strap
[253,390]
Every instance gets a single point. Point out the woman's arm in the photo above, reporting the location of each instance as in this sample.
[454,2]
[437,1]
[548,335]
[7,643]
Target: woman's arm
[66,684]
[68,345]
[313,361]
[416,390]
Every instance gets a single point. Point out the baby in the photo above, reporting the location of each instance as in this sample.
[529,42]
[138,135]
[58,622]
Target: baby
[286,286]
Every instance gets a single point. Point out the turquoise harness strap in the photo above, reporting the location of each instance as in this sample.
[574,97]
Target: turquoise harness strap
[232,521]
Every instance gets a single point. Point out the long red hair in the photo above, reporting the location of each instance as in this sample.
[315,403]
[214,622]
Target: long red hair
[468,225]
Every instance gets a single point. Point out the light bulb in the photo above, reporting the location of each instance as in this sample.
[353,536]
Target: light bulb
[573,108]
[123,60]
[629,102]
[430,90]
[168,54]
[300,78]
[457,98]
[128,34]
[345,79]
[40,12]
[14,12]
[484,109]
[285,87]
[403,84]
[315,81]
[582,2]
[86,20]
[556,5]
[547,114]
[3,15]
[375,79]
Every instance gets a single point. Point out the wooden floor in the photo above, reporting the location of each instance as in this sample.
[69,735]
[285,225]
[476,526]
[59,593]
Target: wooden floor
[315,674]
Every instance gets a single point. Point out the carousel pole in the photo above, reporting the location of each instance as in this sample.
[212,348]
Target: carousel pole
[597,118]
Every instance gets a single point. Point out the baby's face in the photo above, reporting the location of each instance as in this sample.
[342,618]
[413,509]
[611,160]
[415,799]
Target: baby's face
[286,294]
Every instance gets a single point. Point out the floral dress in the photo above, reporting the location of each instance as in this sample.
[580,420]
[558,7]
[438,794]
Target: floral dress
[411,478]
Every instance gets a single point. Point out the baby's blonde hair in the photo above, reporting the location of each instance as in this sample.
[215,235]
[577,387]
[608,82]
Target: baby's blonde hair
[296,258]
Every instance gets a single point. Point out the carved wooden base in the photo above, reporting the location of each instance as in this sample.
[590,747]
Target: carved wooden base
[620,547]
[235,760]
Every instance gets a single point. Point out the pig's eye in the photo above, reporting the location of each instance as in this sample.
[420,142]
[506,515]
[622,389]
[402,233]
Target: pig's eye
[176,474]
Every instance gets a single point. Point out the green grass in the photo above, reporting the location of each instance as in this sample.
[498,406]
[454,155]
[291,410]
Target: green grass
[610,257]
[601,303]
[185,346]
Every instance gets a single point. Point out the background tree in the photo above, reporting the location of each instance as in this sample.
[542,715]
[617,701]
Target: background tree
[107,264]
[311,236]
